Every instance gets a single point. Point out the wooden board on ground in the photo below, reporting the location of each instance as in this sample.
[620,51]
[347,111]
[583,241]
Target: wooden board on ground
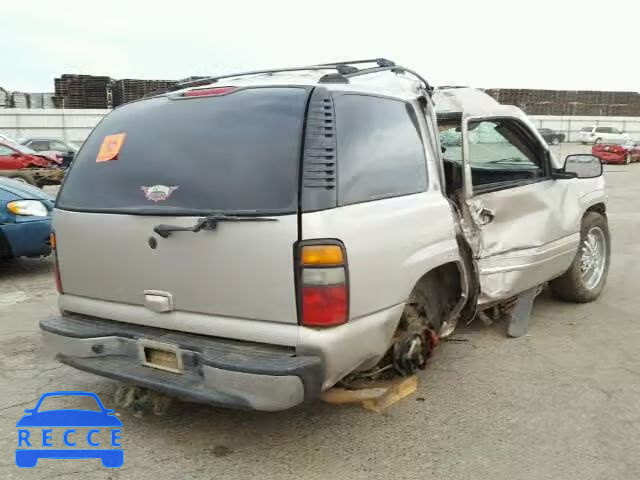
[375,396]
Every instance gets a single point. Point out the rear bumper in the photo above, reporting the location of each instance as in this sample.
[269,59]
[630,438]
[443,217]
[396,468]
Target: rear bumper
[215,371]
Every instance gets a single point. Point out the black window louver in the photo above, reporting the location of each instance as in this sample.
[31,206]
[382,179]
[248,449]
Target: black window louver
[319,169]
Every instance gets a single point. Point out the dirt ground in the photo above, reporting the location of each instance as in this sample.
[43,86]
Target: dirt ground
[563,402]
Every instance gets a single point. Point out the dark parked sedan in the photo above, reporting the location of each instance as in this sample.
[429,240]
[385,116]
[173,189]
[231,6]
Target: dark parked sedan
[552,137]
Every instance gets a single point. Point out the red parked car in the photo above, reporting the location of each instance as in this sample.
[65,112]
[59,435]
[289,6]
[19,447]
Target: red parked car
[25,165]
[617,154]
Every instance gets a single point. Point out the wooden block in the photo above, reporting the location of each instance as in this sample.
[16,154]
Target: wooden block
[361,384]
[402,388]
[342,395]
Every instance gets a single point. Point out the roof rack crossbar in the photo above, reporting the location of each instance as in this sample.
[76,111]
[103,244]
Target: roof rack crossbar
[381,62]
[392,68]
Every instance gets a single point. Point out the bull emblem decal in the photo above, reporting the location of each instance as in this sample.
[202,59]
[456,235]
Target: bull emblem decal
[157,193]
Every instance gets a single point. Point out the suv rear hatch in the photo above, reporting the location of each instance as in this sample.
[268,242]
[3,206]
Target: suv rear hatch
[171,160]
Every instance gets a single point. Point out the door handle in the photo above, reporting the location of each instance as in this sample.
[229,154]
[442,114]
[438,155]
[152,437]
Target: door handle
[487,215]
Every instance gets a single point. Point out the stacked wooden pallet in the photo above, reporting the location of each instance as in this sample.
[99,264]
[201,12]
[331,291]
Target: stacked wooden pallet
[570,102]
[83,91]
[20,100]
[129,89]
[41,100]
[5,98]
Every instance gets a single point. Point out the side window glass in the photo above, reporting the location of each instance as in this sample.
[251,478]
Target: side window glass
[39,145]
[451,140]
[58,147]
[380,151]
[5,151]
[498,153]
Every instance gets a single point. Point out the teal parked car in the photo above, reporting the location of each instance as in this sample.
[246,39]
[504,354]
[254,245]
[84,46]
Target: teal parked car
[25,220]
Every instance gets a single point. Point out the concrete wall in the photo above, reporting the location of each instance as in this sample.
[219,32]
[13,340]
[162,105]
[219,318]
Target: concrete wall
[71,125]
[75,125]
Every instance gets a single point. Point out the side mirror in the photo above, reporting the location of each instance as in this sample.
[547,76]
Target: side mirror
[583,165]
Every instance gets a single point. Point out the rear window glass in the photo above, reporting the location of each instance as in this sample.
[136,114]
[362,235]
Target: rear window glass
[231,153]
[380,151]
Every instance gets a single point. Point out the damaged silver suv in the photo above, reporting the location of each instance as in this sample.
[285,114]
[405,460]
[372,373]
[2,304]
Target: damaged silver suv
[253,239]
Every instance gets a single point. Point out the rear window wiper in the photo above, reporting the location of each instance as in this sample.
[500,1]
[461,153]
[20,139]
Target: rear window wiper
[210,222]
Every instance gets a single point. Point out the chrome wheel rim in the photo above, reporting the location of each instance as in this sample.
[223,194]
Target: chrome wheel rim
[593,257]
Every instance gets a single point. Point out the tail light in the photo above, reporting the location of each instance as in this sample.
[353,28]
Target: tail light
[208,92]
[323,284]
[56,267]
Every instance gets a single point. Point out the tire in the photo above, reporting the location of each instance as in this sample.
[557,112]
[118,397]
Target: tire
[627,159]
[555,141]
[576,285]
[5,248]
[598,140]
[23,178]
[430,303]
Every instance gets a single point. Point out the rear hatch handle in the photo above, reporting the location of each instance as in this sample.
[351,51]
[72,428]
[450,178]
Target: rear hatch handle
[210,222]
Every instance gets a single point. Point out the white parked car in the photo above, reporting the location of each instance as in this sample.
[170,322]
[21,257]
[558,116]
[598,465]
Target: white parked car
[601,135]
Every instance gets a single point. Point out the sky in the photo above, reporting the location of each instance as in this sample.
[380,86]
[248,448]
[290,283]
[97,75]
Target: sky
[556,44]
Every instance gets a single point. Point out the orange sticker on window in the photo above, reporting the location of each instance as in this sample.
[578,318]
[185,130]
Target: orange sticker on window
[110,147]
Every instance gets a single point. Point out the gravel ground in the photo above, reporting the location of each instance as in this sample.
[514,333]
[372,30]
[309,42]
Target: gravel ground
[562,402]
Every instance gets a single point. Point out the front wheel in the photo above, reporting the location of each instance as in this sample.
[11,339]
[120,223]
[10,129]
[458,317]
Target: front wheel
[585,279]
[627,159]
[555,141]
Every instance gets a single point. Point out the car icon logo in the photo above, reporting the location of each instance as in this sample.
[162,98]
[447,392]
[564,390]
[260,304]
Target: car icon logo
[36,433]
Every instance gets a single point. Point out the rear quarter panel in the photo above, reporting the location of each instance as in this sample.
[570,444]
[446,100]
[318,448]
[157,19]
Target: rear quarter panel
[390,244]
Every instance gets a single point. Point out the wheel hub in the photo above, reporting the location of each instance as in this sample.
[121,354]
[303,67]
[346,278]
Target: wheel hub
[593,257]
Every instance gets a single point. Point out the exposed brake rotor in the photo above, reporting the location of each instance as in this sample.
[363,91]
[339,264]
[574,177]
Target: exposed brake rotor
[414,342]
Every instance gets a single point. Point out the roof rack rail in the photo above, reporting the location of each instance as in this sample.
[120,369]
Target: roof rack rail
[344,71]
[208,80]
[342,66]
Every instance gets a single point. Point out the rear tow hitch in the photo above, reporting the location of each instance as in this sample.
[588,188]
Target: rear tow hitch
[142,401]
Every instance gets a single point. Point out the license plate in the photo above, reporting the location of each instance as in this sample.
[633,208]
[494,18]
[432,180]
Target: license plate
[162,356]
